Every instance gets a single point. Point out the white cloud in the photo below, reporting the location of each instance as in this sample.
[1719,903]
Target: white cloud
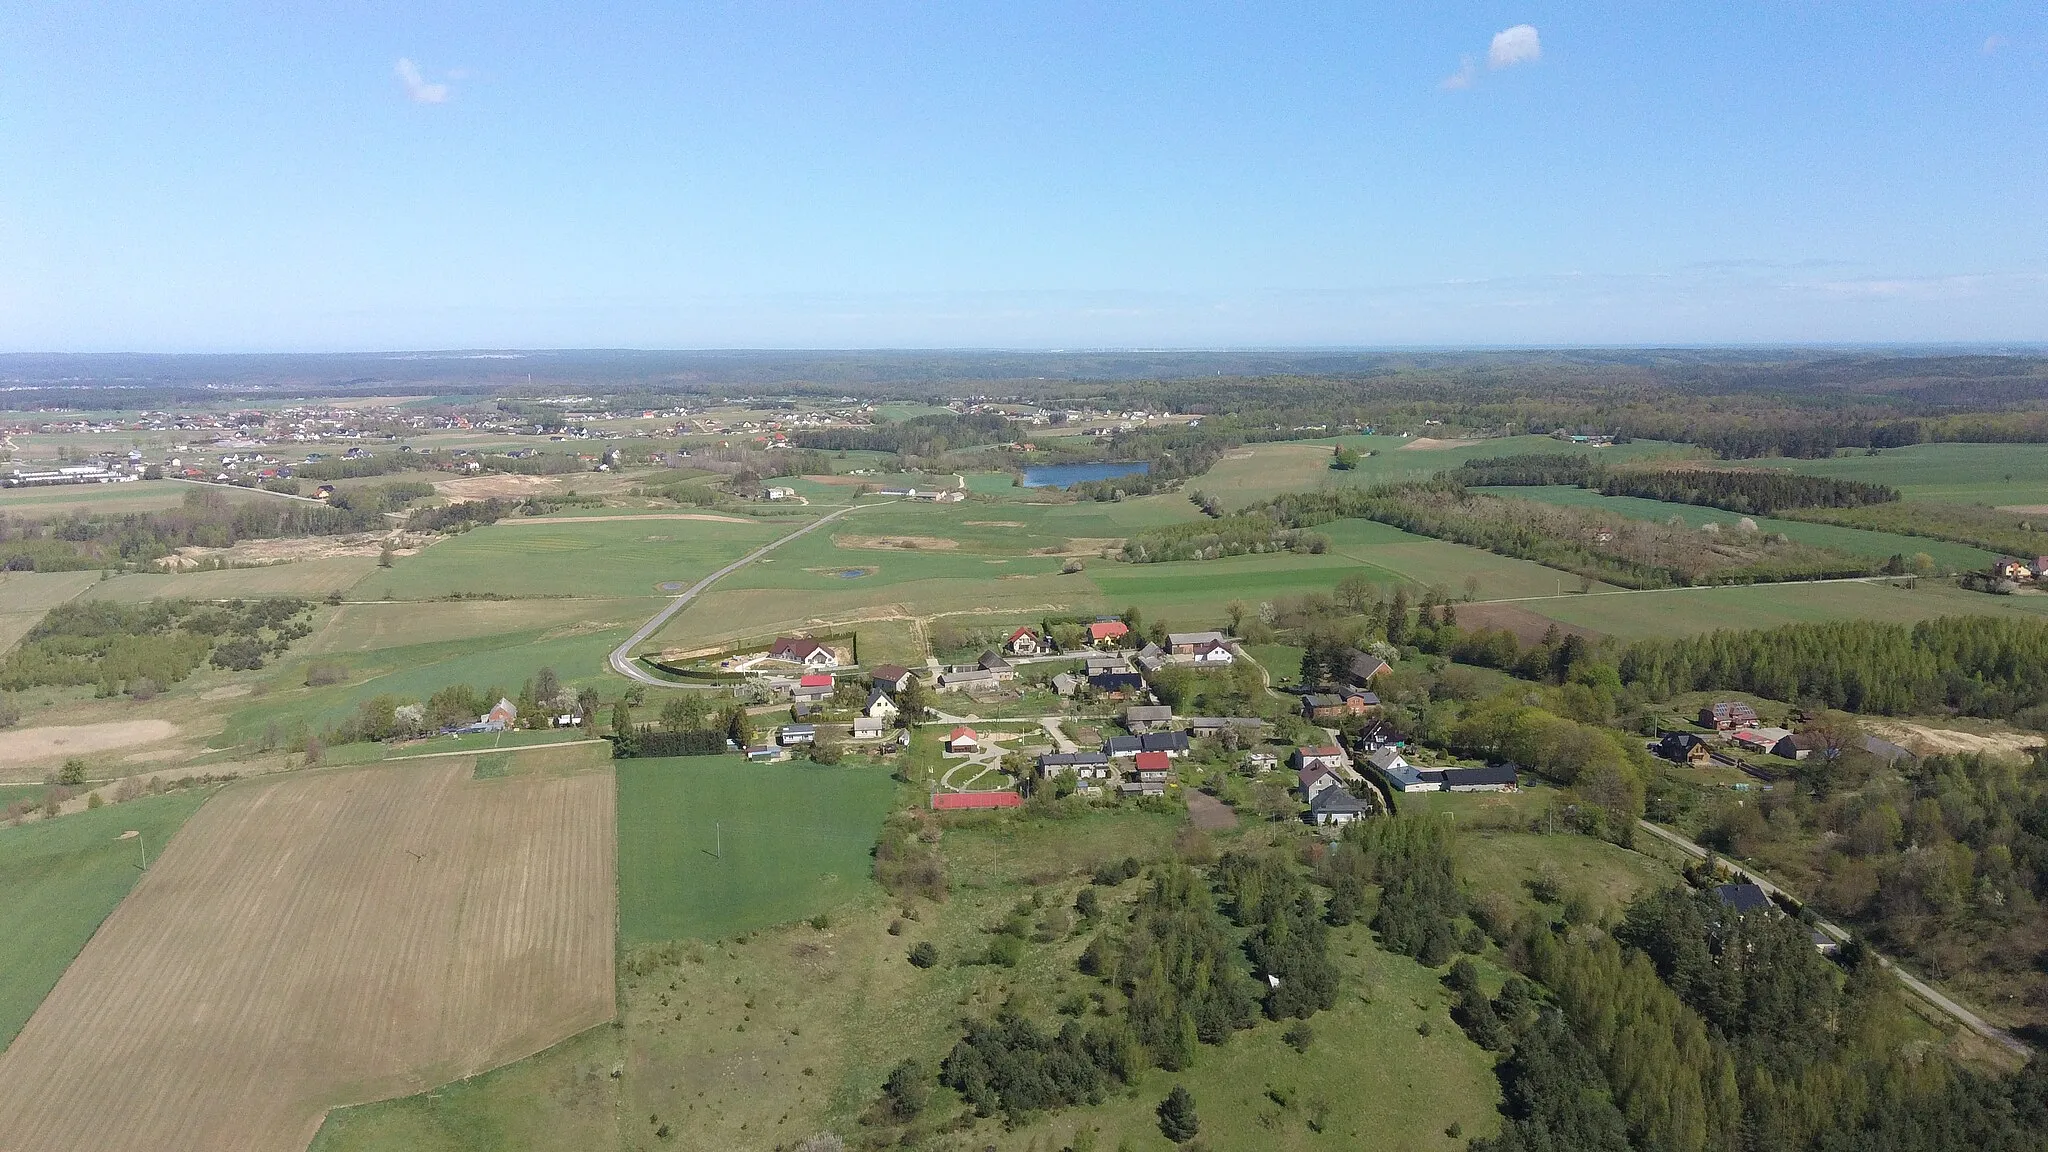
[1511,46]
[1461,79]
[417,86]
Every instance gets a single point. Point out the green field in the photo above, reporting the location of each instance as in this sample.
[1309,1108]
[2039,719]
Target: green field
[1851,541]
[309,578]
[1261,471]
[1682,611]
[134,496]
[26,596]
[1994,474]
[606,559]
[362,627]
[59,878]
[795,840]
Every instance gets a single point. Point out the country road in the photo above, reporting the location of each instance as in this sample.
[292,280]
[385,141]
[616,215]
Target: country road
[1919,987]
[622,656]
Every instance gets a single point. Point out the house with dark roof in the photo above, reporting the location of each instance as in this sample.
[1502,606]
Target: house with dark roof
[1728,715]
[993,663]
[893,677]
[880,705]
[1116,683]
[1147,717]
[1314,779]
[1685,748]
[1211,654]
[1744,897]
[803,650]
[1322,706]
[1089,769]
[1363,667]
[790,734]
[1336,806]
[1170,744]
[1123,745]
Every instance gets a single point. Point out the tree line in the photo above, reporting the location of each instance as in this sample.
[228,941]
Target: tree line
[206,518]
[142,648]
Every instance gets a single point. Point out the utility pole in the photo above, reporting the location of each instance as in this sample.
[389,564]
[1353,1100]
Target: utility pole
[718,830]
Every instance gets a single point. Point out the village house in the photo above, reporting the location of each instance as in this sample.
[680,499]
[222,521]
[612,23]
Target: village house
[962,741]
[1400,775]
[2014,568]
[815,688]
[1116,684]
[1211,653]
[893,677]
[868,728]
[1099,663]
[1322,706]
[1024,642]
[1066,683]
[1091,770]
[1728,715]
[766,754]
[790,734]
[880,706]
[1363,668]
[502,715]
[803,650]
[1151,766]
[1108,633]
[1337,806]
[993,663]
[1260,762]
[1685,748]
[1314,778]
[1151,658]
[1188,643]
[1320,756]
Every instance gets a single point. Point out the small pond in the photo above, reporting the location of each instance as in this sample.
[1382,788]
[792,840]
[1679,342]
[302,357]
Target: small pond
[1061,475]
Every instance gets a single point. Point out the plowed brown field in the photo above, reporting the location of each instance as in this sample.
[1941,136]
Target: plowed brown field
[321,940]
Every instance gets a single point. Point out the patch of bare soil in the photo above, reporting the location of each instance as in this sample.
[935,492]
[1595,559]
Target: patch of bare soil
[2025,509]
[1925,741]
[898,543]
[292,549]
[993,523]
[496,484]
[225,692]
[33,745]
[1528,627]
[1424,443]
[1208,813]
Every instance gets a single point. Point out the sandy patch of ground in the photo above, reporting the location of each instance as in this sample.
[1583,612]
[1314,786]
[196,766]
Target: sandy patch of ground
[292,549]
[612,519]
[1921,739]
[497,484]
[225,692]
[47,743]
[1425,443]
[1207,812]
[993,523]
[900,543]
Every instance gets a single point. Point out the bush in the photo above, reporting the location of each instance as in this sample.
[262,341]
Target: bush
[1300,1037]
[321,673]
[10,711]
[73,772]
[1177,1120]
[925,955]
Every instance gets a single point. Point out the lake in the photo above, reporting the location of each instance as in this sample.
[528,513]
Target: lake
[1061,475]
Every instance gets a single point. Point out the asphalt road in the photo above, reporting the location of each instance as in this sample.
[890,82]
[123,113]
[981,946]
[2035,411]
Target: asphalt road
[622,656]
[1919,987]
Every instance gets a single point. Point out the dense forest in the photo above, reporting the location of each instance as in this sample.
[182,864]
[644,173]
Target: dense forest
[930,435]
[1977,665]
[1757,492]
[1239,535]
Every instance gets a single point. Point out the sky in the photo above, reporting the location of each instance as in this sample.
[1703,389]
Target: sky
[376,176]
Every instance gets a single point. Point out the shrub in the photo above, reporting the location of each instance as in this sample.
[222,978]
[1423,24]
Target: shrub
[1300,1036]
[925,955]
[1177,1119]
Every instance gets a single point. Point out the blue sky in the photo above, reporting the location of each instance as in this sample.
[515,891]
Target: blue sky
[280,177]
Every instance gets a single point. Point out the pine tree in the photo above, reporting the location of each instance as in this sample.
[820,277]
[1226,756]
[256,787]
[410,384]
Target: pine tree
[1177,1119]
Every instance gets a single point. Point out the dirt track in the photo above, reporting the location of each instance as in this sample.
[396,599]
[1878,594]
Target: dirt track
[321,940]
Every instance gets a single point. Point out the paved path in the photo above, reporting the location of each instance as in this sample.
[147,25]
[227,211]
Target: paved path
[622,656]
[1919,987]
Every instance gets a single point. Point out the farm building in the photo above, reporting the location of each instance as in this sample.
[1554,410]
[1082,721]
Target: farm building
[1066,683]
[993,663]
[1320,756]
[1215,725]
[971,679]
[1765,740]
[1492,778]
[1188,643]
[1364,667]
[1884,749]
[805,651]
[502,715]
[974,801]
[963,740]
[814,688]
[1147,717]
[1090,769]
[1728,715]
[1024,642]
[1151,658]
[868,728]
[1116,683]
[1322,706]
[1105,662]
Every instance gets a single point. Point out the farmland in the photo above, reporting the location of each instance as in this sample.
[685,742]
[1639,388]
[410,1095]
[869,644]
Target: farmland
[308,578]
[1678,611]
[416,926]
[1262,471]
[64,877]
[607,559]
[1993,474]
[25,596]
[795,841]
[134,496]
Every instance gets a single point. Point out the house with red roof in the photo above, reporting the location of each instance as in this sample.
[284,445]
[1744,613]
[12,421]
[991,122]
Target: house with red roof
[814,688]
[1109,632]
[1024,642]
[963,740]
[1151,767]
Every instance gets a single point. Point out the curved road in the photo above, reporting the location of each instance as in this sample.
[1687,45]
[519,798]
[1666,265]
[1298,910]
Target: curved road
[622,656]
[1919,987]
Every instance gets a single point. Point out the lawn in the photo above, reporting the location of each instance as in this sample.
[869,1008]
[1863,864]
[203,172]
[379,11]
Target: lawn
[795,840]
[606,559]
[1994,474]
[1852,541]
[59,878]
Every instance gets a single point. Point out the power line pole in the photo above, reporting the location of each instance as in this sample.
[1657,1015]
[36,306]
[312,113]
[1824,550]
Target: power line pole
[718,830]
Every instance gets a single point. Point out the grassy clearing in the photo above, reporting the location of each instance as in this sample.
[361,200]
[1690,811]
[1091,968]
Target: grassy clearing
[564,1097]
[308,578]
[795,842]
[1261,471]
[614,559]
[363,627]
[1994,474]
[26,596]
[1497,852]
[1683,611]
[59,878]
[97,499]
[1853,541]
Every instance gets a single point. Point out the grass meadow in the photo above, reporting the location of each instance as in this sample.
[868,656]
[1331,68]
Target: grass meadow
[108,499]
[364,627]
[312,579]
[796,839]
[1852,541]
[1261,471]
[1993,474]
[60,878]
[1683,611]
[606,559]
[26,596]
